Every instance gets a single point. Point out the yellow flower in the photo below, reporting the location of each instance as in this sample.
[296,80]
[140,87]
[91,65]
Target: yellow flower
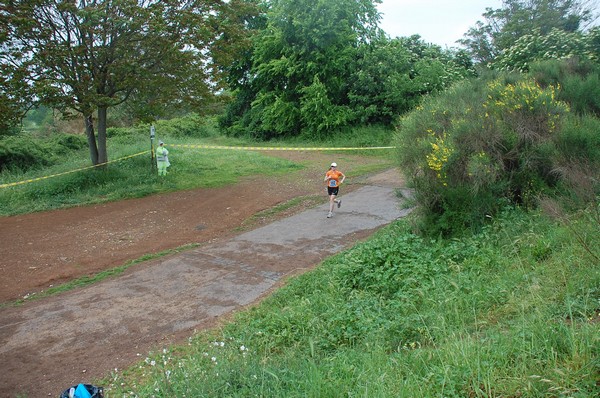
[439,156]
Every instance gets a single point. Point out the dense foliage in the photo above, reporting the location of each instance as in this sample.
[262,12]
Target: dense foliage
[321,66]
[24,152]
[502,27]
[556,44]
[85,57]
[503,139]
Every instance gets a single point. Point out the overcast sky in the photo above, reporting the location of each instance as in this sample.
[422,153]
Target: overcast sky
[439,22]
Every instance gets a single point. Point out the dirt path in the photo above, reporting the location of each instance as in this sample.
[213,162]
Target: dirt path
[44,249]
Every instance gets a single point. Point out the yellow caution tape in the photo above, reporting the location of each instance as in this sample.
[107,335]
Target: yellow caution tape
[237,148]
[12,184]
[262,148]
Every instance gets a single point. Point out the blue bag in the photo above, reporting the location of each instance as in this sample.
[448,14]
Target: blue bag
[84,391]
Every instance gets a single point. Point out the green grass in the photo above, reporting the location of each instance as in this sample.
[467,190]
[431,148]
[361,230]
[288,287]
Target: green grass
[512,311]
[134,177]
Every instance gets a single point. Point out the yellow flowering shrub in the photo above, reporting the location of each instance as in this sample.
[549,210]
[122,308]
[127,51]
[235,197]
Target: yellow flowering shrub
[501,139]
[441,151]
[532,112]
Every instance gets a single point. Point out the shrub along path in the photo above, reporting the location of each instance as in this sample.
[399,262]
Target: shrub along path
[48,344]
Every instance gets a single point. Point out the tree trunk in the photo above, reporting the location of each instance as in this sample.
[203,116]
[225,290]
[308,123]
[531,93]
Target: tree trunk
[102,155]
[91,138]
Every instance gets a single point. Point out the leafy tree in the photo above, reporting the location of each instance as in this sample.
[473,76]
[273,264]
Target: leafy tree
[318,66]
[391,76]
[557,44]
[300,60]
[504,26]
[87,56]
[592,44]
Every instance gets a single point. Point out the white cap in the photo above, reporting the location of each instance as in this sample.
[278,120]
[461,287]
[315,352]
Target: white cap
[160,142]
[334,164]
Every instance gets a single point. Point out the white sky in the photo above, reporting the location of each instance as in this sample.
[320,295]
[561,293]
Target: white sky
[439,22]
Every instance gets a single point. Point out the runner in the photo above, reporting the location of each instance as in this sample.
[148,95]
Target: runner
[332,178]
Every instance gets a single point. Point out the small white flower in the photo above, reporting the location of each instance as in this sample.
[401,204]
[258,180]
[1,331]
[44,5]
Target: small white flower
[214,359]
[242,348]
[152,363]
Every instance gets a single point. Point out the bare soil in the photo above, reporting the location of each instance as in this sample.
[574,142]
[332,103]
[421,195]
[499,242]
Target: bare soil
[47,249]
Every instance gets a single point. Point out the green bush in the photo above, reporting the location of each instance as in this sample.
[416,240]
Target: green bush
[579,139]
[496,141]
[577,161]
[23,153]
[583,94]
[439,146]
[579,83]
[68,142]
[192,125]
[6,131]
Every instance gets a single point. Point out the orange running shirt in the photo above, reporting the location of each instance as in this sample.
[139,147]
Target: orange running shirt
[334,178]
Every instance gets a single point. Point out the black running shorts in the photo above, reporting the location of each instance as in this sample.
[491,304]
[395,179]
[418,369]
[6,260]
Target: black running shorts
[333,190]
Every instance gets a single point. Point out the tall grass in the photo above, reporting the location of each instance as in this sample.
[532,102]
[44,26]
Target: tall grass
[511,311]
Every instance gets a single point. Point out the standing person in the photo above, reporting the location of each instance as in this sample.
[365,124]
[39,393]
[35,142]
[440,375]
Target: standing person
[332,178]
[162,159]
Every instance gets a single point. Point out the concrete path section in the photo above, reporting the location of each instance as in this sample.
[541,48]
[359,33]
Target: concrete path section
[93,329]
